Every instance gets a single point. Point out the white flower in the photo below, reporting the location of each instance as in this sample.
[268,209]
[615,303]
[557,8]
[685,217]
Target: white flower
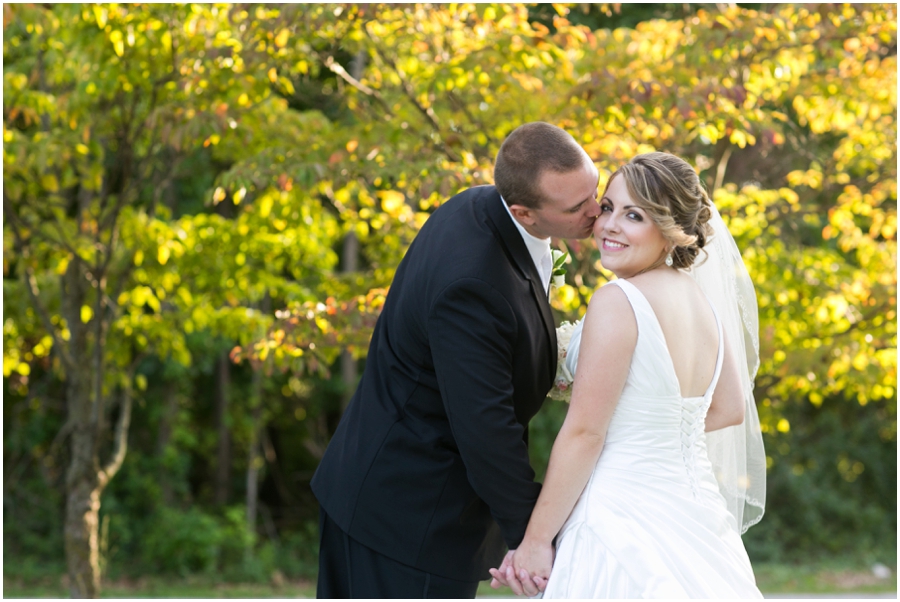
[562,384]
[558,273]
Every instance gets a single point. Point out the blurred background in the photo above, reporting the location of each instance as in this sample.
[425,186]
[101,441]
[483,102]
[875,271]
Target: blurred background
[203,206]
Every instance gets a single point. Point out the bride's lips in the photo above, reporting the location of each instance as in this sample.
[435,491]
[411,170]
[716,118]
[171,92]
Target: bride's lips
[612,245]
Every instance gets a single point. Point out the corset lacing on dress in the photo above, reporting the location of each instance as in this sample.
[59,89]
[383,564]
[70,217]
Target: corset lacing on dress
[693,421]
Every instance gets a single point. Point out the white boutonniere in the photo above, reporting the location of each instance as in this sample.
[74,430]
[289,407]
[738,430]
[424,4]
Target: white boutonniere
[558,273]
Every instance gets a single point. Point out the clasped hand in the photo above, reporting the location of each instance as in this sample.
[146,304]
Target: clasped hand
[526,569]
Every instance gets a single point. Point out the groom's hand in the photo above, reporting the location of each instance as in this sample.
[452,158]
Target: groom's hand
[499,575]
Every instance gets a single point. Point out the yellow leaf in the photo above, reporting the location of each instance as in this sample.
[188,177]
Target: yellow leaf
[273,75]
[138,257]
[239,196]
[282,38]
[738,137]
[783,426]
[162,255]
[265,206]
[141,381]
[392,201]
[23,369]
[219,195]
[100,15]
[115,36]
[50,182]
[86,314]
[63,265]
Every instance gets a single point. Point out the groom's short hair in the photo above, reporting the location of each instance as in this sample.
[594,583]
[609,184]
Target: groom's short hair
[529,151]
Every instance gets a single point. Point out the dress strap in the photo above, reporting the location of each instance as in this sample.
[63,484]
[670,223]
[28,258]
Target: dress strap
[635,296]
[720,357]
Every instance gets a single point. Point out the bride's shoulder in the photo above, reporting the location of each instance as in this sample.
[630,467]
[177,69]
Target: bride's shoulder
[610,317]
[611,299]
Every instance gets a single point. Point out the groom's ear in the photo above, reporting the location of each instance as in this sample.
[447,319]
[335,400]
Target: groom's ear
[523,214]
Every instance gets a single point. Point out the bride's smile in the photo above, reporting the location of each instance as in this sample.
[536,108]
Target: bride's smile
[611,245]
[628,240]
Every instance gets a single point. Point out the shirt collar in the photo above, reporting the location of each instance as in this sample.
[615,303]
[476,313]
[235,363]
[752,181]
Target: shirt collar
[537,247]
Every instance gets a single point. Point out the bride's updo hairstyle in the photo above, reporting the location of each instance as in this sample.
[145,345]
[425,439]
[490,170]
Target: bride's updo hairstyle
[669,190]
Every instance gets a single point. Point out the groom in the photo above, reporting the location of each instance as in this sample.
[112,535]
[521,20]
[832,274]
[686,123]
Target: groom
[427,479]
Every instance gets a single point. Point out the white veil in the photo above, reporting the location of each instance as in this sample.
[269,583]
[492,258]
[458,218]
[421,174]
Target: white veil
[736,452]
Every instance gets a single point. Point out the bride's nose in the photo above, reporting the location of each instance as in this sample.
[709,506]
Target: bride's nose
[610,224]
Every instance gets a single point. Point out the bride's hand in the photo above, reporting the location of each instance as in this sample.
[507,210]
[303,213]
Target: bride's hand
[532,563]
[499,575]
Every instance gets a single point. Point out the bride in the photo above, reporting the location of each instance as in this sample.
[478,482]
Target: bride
[659,466]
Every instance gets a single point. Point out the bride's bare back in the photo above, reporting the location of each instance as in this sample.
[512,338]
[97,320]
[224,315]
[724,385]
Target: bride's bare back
[688,323]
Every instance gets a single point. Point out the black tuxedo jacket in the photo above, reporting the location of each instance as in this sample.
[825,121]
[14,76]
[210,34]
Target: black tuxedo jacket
[429,464]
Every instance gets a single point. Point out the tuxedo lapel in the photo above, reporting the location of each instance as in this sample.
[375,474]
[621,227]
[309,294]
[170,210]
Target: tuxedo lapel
[512,240]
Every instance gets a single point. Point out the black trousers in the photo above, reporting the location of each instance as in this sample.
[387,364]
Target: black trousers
[348,569]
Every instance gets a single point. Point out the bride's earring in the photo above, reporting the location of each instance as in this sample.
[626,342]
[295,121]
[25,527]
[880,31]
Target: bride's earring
[669,261]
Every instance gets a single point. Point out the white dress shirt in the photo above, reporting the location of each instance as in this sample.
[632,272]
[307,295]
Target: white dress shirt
[538,248]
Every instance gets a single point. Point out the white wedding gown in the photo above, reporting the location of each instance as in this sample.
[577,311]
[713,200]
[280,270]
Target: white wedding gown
[651,522]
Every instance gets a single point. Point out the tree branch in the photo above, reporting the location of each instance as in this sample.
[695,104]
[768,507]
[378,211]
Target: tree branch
[720,169]
[339,70]
[121,432]
[427,112]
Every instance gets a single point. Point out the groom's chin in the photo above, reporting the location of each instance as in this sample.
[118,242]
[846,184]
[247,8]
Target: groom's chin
[586,233]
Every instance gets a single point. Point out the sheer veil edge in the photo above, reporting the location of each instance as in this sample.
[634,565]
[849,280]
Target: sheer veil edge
[736,453]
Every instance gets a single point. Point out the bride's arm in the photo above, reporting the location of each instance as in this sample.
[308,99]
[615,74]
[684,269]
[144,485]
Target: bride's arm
[727,406]
[607,345]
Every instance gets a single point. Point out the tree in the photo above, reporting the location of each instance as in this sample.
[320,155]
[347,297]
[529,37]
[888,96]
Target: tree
[103,105]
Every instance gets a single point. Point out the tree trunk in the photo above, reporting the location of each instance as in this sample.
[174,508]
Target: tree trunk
[255,461]
[254,464]
[349,370]
[223,453]
[83,489]
[83,486]
[162,442]
[350,263]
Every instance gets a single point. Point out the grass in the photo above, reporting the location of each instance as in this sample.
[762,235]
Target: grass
[165,587]
[822,578]
[826,578]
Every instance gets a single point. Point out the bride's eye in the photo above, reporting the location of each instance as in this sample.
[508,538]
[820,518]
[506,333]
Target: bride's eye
[605,207]
[636,216]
